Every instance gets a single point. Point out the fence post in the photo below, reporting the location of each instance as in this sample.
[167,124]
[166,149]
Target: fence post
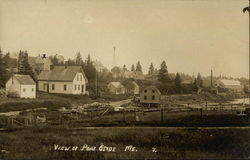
[124,119]
[135,114]
[201,113]
[161,114]
[91,115]
[206,105]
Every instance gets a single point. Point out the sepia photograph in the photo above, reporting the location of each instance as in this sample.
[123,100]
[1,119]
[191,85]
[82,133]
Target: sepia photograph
[124,80]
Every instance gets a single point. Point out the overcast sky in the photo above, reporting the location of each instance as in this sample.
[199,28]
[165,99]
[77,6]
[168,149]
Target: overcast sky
[190,35]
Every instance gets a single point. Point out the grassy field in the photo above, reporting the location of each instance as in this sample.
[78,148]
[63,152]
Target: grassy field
[171,143]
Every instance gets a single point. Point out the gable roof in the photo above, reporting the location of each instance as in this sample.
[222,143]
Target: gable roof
[24,79]
[151,88]
[61,73]
[116,84]
[230,82]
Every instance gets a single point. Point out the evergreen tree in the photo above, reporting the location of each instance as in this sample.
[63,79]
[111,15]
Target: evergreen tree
[124,68]
[138,67]
[163,73]
[54,60]
[24,66]
[79,58]
[151,69]
[20,62]
[2,70]
[133,67]
[177,83]
[89,69]
[199,80]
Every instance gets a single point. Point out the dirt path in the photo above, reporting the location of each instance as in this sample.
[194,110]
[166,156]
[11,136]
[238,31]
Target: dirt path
[119,103]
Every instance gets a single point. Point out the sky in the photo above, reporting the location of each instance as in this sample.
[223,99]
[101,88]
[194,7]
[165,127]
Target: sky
[190,35]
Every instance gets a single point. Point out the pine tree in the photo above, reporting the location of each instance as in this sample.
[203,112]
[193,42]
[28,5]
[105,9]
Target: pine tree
[54,60]
[177,83]
[199,80]
[138,67]
[151,69]
[24,66]
[20,63]
[124,68]
[2,70]
[79,58]
[133,67]
[89,69]
[163,73]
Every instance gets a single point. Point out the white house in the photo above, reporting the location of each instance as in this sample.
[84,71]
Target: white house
[22,86]
[116,88]
[63,79]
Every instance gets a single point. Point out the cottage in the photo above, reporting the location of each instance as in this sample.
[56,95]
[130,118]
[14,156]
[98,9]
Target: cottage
[131,87]
[22,86]
[63,79]
[229,84]
[116,88]
[150,96]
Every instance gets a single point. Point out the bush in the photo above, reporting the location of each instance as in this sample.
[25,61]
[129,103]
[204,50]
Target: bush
[13,94]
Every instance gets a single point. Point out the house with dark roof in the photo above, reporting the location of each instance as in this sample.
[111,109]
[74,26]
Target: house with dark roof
[22,86]
[150,96]
[63,79]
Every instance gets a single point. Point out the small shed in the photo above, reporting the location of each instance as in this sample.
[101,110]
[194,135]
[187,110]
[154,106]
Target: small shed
[22,86]
[116,88]
[150,96]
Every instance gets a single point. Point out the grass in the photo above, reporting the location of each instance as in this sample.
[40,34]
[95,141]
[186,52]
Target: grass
[171,143]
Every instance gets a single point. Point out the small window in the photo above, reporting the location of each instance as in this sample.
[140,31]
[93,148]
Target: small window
[153,97]
[153,91]
[75,87]
[145,91]
[32,89]
[53,86]
[78,87]
[65,87]
[44,86]
[145,97]
[80,77]
[24,89]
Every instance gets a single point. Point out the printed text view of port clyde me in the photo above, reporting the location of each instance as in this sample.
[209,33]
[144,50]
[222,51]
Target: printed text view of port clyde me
[124,79]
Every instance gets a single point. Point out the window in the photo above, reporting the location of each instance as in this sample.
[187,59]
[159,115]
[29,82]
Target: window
[65,87]
[145,97]
[24,89]
[75,87]
[44,86]
[145,91]
[53,86]
[153,97]
[78,87]
[80,77]
[32,89]
[153,91]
